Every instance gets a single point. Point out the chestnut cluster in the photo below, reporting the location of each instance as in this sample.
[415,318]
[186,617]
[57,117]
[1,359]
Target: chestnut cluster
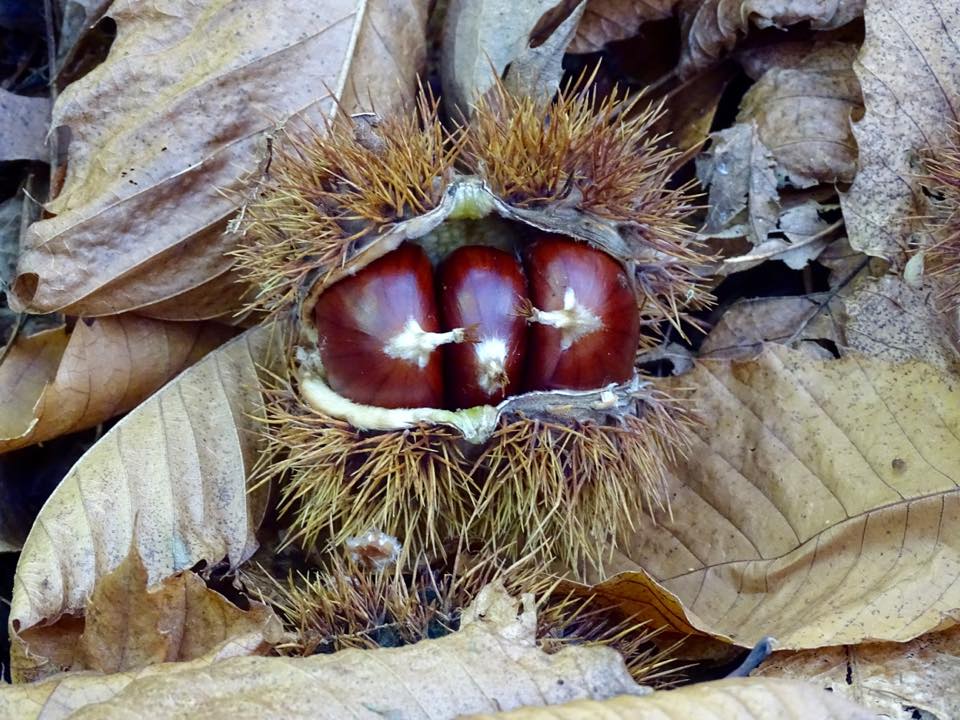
[484,325]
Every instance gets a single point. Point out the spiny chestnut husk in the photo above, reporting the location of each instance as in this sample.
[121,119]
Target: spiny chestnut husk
[943,183]
[468,308]
[353,605]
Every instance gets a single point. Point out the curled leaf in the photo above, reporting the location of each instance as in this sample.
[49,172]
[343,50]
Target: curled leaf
[606,21]
[59,383]
[169,480]
[820,505]
[713,27]
[166,133]
[492,663]
[127,626]
[803,111]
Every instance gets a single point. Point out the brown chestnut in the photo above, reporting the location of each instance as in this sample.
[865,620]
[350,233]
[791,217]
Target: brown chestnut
[479,288]
[585,324]
[378,333]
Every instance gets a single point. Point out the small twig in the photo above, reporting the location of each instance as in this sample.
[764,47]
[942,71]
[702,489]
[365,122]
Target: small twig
[52,85]
[749,257]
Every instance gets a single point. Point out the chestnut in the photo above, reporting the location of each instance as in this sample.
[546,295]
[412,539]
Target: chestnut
[479,288]
[585,324]
[379,333]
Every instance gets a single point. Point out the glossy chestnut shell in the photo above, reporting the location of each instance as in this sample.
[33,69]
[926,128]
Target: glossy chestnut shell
[479,287]
[357,317]
[603,348]
[479,328]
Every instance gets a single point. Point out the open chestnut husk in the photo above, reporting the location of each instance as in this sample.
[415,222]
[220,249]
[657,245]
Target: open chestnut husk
[468,311]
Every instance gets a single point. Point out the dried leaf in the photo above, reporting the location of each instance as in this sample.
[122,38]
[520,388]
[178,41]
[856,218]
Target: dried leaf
[747,324]
[537,71]
[61,382]
[820,505]
[894,680]
[799,237]
[739,170]
[712,27]
[127,626]
[482,37]
[492,663]
[880,317]
[909,70]
[802,112]
[78,17]
[24,121]
[691,107]
[166,132]
[740,699]
[886,318]
[169,479]
[606,21]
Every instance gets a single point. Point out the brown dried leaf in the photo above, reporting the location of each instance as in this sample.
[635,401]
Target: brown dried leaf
[167,131]
[799,237]
[739,170]
[128,626]
[492,663]
[739,699]
[482,37]
[879,317]
[894,680]
[691,107]
[168,480]
[820,504]
[60,383]
[24,121]
[712,27]
[606,21]
[802,112]
[537,71]
[750,323]
[909,70]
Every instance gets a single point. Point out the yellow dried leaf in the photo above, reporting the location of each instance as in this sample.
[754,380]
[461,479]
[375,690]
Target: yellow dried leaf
[820,504]
[59,383]
[909,70]
[166,133]
[892,679]
[168,480]
[492,663]
[742,699]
